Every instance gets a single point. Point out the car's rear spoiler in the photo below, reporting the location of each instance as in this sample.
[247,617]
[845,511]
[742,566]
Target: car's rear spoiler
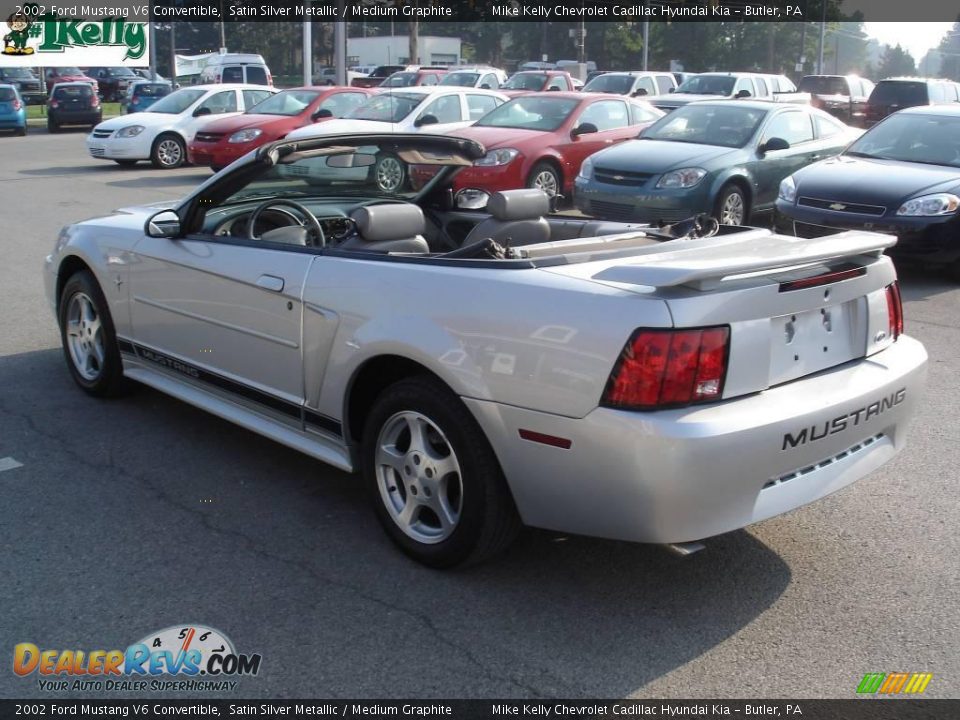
[710,261]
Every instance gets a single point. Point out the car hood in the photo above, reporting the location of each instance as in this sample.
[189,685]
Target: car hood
[873,182]
[342,125]
[148,120]
[239,122]
[491,137]
[654,156]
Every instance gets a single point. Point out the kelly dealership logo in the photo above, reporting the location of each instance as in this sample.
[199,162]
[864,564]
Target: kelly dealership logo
[31,30]
[181,657]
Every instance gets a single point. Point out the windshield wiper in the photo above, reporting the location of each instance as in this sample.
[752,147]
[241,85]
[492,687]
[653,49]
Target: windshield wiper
[854,153]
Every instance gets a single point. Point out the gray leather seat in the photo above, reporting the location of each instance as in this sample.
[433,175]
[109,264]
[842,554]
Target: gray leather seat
[516,218]
[388,228]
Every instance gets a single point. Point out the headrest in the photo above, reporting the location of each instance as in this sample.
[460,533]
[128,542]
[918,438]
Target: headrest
[389,222]
[523,204]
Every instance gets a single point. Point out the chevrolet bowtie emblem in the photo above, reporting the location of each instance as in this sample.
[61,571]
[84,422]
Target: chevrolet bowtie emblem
[618,177]
[838,206]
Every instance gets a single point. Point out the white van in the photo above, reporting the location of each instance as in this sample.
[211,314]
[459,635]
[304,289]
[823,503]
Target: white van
[237,68]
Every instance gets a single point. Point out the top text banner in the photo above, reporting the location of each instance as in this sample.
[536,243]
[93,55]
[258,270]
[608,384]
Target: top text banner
[481,10]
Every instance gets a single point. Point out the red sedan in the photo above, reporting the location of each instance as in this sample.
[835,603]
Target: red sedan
[540,140]
[221,142]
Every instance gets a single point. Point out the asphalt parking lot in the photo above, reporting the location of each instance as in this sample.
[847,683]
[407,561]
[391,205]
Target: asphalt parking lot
[132,515]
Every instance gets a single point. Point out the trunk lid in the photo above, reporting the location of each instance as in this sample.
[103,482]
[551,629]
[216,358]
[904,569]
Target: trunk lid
[794,306]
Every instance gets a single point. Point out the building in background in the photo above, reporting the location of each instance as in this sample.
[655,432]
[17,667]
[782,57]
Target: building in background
[395,50]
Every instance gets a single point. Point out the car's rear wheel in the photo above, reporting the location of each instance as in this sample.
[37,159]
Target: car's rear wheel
[731,207]
[88,336]
[435,482]
[22,131]
[52,127]
[545,176]
[168,152]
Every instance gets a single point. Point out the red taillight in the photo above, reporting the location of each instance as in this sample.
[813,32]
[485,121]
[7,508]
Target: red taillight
[894,310]
[94,101]
[54,104]
[17,105]
[660,368]
[135,101]
[269,79]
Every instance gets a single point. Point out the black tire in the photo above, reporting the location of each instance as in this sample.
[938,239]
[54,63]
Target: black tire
[22,131]
[52,127]
[126,163]
[164,156]
[538,178]
[389,173]
[100,379]
[487,520]
[217,168]
[729,194]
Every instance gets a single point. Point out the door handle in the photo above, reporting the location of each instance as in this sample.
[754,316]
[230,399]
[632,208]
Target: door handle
[270,282]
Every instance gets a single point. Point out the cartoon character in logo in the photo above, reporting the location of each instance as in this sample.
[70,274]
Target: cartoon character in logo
[15,41]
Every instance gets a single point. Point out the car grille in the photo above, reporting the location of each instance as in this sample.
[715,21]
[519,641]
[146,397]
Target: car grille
[102,133]
[621,177]
[611,210]
[207,137]
[809,231]
[97,152]
[856,208]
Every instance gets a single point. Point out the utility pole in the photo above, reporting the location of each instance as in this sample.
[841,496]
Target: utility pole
[646,42]
[153,51]
[823,31]
[308,47]
[414,43]
[173,54]
[340,46]
[802,58]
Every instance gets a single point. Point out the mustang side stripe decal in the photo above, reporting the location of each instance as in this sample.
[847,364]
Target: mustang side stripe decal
[307,416]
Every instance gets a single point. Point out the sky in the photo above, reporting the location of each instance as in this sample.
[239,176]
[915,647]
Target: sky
[915,37]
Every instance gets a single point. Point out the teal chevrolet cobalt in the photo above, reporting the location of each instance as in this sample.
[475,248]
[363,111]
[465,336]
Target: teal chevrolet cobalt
[725,158]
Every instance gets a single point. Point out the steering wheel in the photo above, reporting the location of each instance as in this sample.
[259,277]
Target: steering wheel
[309,219]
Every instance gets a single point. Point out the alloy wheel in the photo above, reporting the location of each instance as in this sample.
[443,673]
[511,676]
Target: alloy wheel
[85,337]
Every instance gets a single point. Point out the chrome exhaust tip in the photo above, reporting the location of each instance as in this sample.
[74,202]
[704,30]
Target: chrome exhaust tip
[685,548]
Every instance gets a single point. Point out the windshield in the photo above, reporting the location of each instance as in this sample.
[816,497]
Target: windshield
[385,70]
[461,79]
[120,72]
[928,139]
[152,90]
[400,79]
[530,112]
[175,103]
[619,84]
[387,108]
[17,73]
[288,102]
[824,85]
[70,92]
[526,81]
[7,94]
[347,173]
[707,125]
[708,85]
[67,71]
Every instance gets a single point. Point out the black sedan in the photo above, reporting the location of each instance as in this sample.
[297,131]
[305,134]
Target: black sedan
[901,177]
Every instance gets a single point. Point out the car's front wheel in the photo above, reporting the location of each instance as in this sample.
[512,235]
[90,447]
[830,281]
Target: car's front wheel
[436,484]
[88,336]
[544,176]
[731,206]
[168,152]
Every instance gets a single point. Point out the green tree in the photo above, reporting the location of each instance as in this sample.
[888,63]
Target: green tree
[896,61]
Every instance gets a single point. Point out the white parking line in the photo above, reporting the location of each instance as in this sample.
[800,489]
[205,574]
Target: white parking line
[8,463]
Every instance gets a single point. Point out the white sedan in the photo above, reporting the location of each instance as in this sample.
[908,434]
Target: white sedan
[161,133]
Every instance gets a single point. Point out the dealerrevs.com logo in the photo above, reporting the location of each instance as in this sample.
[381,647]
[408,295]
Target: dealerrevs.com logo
[181,657]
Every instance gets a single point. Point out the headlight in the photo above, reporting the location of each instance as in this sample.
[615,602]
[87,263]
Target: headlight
[497,157]
[682,178]
[930,205]
[586,169]
[130,131]
[247,135]
[788,190]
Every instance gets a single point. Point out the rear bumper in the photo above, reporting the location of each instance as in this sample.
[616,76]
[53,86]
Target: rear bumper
[16,120]
[79,117]
[686,474]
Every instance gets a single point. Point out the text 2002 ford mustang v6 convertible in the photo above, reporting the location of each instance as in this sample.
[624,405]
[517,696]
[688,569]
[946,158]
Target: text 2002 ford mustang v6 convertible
[487,369]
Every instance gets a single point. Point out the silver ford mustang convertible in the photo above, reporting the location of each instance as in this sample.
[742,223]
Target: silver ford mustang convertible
[483,369]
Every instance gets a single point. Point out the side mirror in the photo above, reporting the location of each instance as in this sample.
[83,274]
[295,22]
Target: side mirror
[426,120]
[774,143]
[553,88]
[584,129]
[322,114]
[639,92]
[743,94]
[485,86]
[671,90]
[164,224]
[201,111]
